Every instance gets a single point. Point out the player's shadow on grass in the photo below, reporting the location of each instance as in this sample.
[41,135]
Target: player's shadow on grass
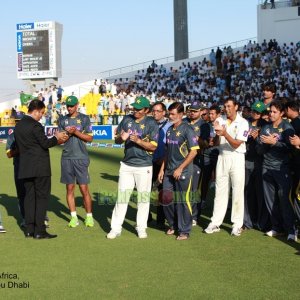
[102,212]
[59,209]
[11,205]
[292,244]
[111,157]
[109,177]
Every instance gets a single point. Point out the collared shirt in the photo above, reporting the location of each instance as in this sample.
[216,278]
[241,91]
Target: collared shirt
[238,130]
[147,130]
[179,143]
[159,153]
[75,148]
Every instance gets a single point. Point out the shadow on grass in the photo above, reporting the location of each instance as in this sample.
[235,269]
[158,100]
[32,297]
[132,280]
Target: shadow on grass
[102,212]
[109,177]
[109,156]
[59,209]
[11,205]
[292,244]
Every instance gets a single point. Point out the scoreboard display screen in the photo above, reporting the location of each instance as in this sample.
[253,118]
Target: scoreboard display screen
[35,50]
[39,50]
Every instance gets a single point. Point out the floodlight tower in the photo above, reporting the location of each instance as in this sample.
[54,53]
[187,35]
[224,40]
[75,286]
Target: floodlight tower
[181,43]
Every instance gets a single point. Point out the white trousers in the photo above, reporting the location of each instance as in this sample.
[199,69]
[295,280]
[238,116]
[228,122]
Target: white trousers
[230,171]
[129,177]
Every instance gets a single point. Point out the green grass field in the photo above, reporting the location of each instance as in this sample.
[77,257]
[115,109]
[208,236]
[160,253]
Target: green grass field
[82,264]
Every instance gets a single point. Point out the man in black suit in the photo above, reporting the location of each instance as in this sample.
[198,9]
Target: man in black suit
[35,169]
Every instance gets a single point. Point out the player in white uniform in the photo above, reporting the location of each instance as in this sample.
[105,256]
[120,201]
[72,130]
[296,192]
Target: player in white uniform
[233,131]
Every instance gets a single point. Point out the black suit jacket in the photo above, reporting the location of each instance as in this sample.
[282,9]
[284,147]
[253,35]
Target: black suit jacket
[33,146]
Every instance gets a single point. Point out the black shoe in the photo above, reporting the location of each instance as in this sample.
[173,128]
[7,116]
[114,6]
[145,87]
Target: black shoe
[45,235]
[28,234]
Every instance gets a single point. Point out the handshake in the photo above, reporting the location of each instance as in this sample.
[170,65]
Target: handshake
[62,136]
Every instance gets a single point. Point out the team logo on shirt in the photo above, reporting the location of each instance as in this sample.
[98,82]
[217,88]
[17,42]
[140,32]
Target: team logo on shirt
[78,121]
[142,126]
[196,128]
[246,132]
[129,125]
[178,133]
[280,129]
[277,136]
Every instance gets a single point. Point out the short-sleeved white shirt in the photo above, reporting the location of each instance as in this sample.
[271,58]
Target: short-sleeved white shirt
[239,130]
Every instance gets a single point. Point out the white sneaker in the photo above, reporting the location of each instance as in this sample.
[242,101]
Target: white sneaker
[142,234]
[194,223]
[292,237]
[212,228]
[236,231]
[112,235]
[272,233]
[2,230]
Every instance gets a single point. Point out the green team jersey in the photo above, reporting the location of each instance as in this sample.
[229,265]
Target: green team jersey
[202,130]
[179,142]
[75,148]
[276,157]
[11,145]
[147,130]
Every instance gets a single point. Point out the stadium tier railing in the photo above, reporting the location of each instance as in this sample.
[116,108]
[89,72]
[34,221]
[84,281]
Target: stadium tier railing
[170,59]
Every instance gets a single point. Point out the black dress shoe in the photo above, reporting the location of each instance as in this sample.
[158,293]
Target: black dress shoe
[28,234]
[44,236]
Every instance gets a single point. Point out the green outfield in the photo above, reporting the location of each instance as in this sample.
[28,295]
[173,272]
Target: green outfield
[82,264]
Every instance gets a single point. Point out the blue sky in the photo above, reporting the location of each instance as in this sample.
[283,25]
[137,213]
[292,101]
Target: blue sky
[102,35]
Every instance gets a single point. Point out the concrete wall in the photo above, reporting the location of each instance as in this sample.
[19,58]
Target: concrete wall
[281,23]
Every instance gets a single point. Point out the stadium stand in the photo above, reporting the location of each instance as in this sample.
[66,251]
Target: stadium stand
[210,78]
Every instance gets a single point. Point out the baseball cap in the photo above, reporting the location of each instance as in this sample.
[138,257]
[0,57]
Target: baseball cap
[195,105]
[258,106]
[71,101]
[141,102]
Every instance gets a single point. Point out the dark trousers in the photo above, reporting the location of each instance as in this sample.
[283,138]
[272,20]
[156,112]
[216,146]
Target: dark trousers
[175,197]
[295,193]
[195,196]
[160,218]
[276,185]
[20,188]
[255,210]
[207,171]
[36,202]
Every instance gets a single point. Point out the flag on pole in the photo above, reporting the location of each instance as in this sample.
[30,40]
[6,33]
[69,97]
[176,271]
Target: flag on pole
[25,98]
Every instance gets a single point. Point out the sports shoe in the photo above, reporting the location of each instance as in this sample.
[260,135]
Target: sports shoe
[89,221]
[292,237]
[112,235]
[74,222]
[2,230]
[273,233]
[236,231]
[194,223]
[142,234]
[212,228]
